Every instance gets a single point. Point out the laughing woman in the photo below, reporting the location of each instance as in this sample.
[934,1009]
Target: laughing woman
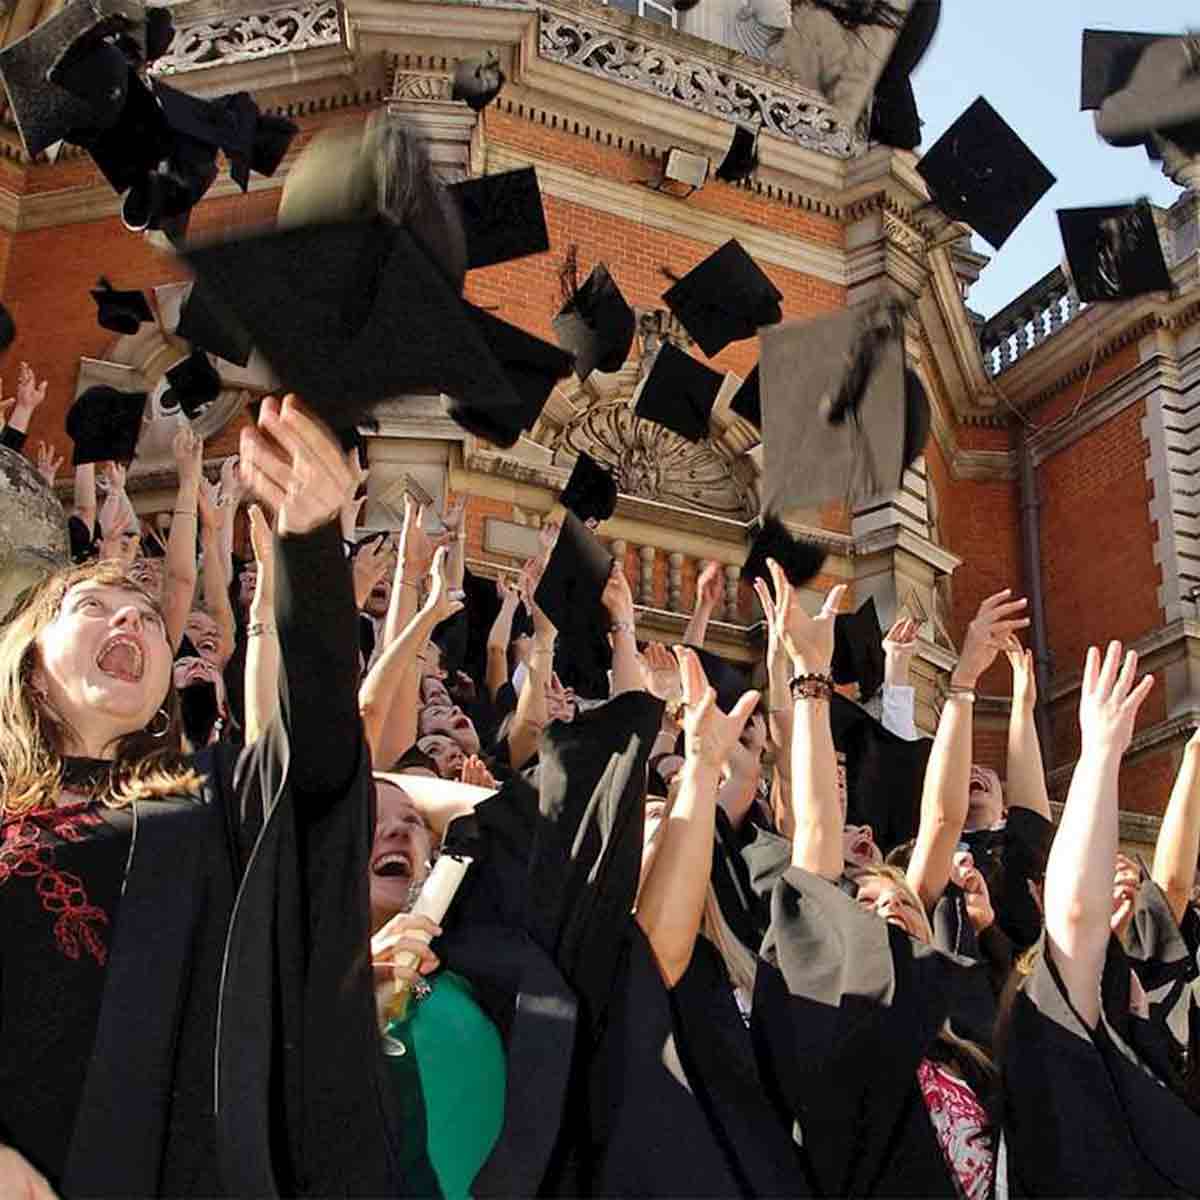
[122,865]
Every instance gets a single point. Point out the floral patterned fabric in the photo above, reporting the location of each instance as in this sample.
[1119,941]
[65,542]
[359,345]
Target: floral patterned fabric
[960,1122]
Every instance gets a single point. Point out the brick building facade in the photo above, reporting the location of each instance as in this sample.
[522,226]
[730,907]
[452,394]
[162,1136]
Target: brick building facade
[1062,450]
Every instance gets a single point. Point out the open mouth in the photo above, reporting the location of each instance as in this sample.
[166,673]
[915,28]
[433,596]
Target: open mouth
[392,865]
[122,658]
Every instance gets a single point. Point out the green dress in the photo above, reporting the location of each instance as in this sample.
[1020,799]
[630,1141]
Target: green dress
[450,1080]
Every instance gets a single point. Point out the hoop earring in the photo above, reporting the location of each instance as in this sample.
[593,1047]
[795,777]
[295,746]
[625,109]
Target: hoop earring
[159,734]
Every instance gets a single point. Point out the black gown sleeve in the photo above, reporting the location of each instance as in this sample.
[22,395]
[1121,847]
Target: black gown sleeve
[1027,840]
[14,439]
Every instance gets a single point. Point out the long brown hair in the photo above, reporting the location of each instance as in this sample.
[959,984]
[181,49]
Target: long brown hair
[148,763]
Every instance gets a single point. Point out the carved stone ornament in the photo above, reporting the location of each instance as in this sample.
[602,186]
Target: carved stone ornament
[419,85]
[251,35]
[653,463]
[799,116]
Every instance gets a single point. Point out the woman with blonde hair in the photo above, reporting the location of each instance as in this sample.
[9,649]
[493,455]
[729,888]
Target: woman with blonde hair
[169,925]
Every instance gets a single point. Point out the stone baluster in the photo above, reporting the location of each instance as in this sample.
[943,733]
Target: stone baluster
[647,574]
[732,574]
[675,581]
[617,548]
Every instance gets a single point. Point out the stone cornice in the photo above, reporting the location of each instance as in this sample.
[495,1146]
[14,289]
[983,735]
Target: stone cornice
[1154,650]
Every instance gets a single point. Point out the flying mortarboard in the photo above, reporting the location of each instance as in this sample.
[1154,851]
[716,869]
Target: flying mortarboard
[894,117]
[104,424]
[801,560]
[69,46]
[477,80]
[8,328]
[679,392]
[841,417]
[1109,57]
[132,149]
[502,216]
[1161,93]
[193,385]
[723,677]
[726,298]
[747,402]
[595,324]
[742,156]
[1114,253]
[120,311]
[207,326]
[591,492]
[574,577]
[980,172]
[858,649]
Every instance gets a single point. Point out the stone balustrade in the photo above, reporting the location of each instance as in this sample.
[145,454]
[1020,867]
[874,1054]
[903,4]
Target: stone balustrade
[1035,315]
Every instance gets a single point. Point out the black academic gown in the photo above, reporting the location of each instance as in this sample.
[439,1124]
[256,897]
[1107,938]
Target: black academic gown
[1091,1112]
[845,1008]
[252,945]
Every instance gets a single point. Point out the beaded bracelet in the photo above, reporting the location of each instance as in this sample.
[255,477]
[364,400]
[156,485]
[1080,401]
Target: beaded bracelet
[621,627]
[811,687]
[259,629]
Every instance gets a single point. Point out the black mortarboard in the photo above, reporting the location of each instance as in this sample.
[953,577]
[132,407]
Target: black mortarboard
[160,33]
[858,649]
[596,325]
[1109,57]
[194,384]
[980,172]
[68,48]
[679,392]
[723,677]
[574,578]
[1162,92]
[209,327]
[742,156]
[884,773]
[894,117]
[120,312]
[502,216]
[839,415]
[104,424]
[1114,253]
[8,328]
[133,148]
[726,298]
[801,560]
[747,402]
[272,137]
[591,492]
[477,80]
[225,123]
[348,314]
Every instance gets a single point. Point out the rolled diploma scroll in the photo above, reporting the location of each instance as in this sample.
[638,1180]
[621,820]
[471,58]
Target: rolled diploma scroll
[437,893]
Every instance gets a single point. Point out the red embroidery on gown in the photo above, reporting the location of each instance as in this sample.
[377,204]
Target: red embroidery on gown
[961,1127]
[27,853]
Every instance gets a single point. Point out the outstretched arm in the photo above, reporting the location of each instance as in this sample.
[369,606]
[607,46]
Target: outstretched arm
[1079,873]
[179,577]
[1178,843]
[262,644]
[1026,785]
[708,600]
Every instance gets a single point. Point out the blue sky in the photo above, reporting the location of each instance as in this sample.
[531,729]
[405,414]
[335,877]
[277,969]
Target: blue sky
[1024,57]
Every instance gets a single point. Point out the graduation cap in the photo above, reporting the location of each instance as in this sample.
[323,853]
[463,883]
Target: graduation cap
[193,384]
[1114,252]
[160,33]
[841,417]
[207,326]
[679,392]
[273,136]
[133,148]
[8,328]
[574,577]
[1108,59]
[1162,92]
[726,298]
[591,492]
[477,80]
[894,117]
[980,172]
[502,217]
[351,313]
[747,402]
[742,156]
[63,76]
[858,649]
[884,773]
[801,560]
[120,312]
[729,682]
[104,424]
[595,323]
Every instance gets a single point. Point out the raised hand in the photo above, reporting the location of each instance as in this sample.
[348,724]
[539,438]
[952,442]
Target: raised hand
[1127,880]
[209,503]
[260,538]
[30,393]
[710,587]
[475,772]
[976,897]
[441,601]
[987,635]
[898,648]
[807,640]
[232,489]
[617,599]
[1024,686]
[416,546]
[452,518]
[48,463]
[189,456]
[405,933]
[371,563]
[20,1180]
[293,464]
[709,735]
[661,672]
[1109,700]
